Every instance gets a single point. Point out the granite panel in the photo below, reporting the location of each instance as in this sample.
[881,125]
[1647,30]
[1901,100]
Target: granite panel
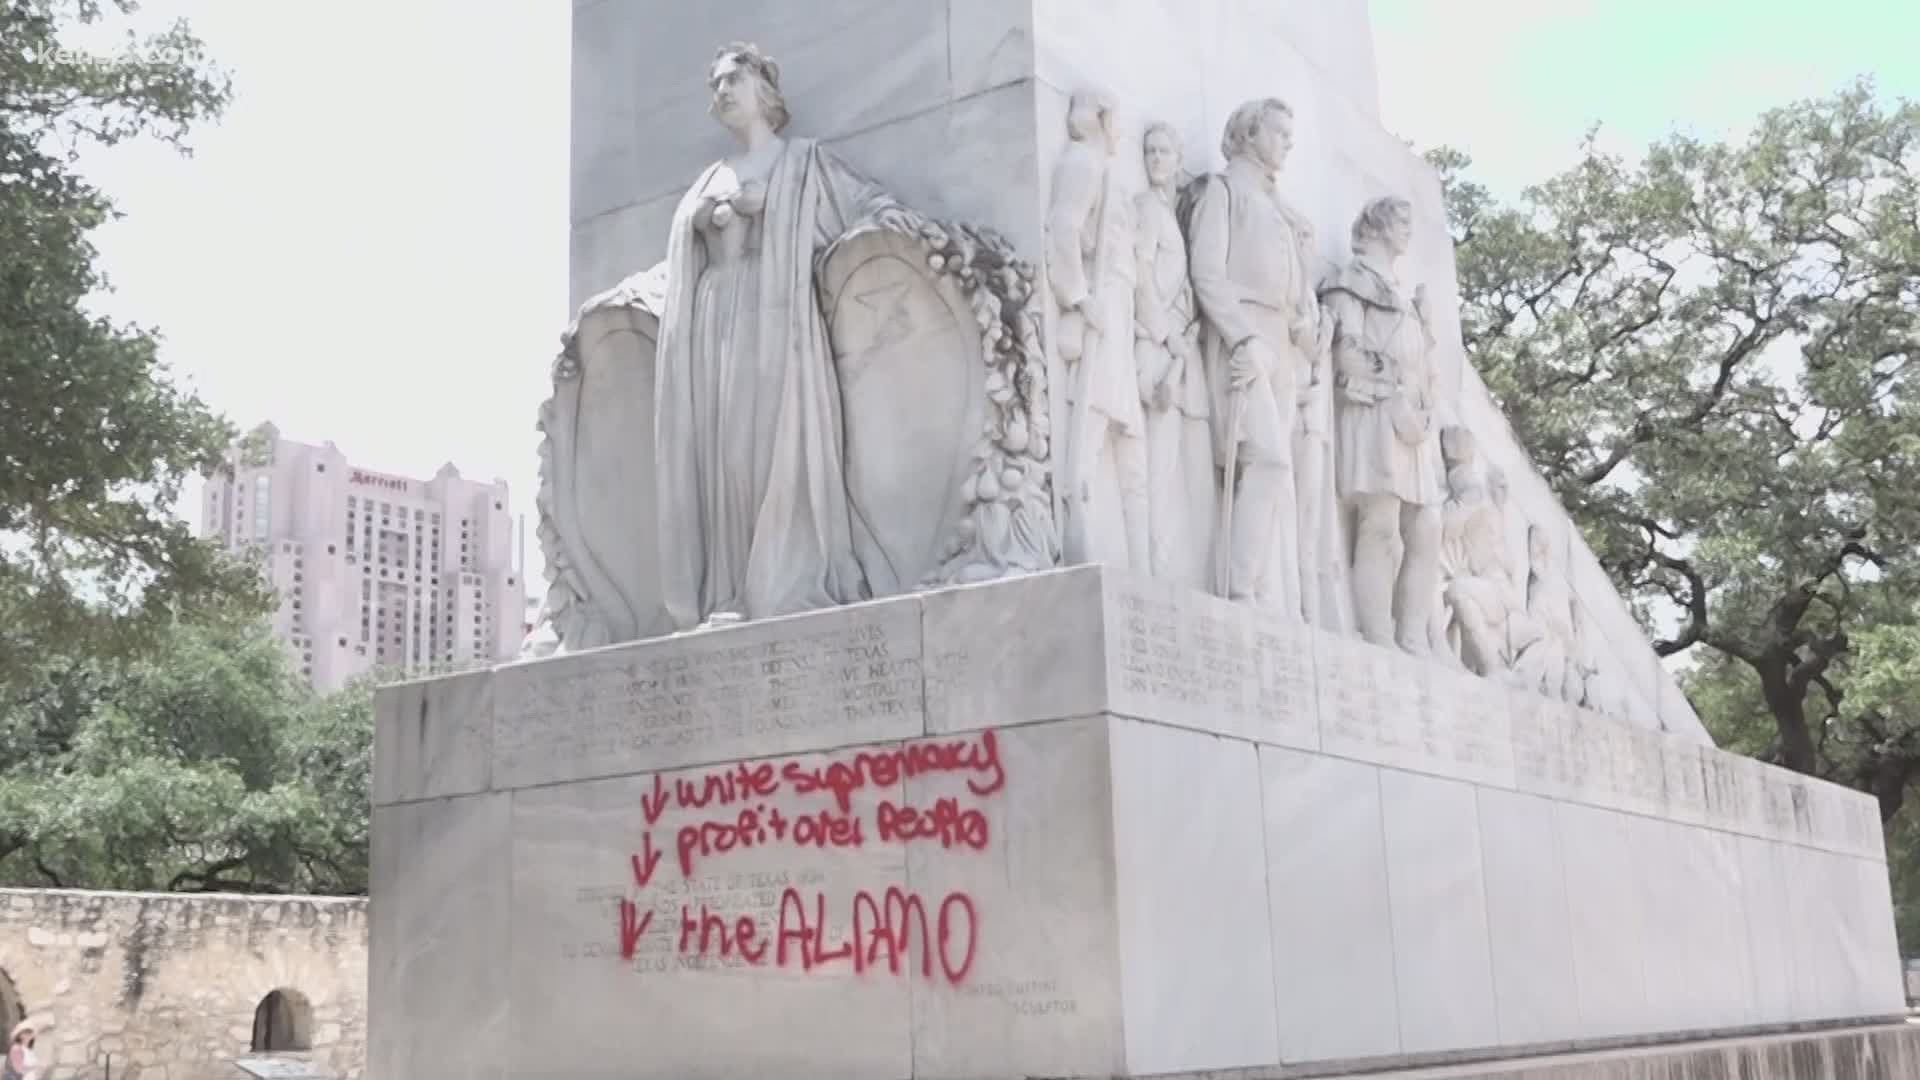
[1698,969]
[1527,919]
[1769,927]
[640,121]
[1195,942]
[1042,996]
[1881,982]
[432,738]
[439,879]
[1819,940]
[1603,884]
[1183,657]
[1441,953]
[1010,652]
[1382,706]
[1333,948]
[989,44]
[1579,755]
[679,896]
[1085,43]
[804,682]
[1685,780]
[608,248]
[974,159]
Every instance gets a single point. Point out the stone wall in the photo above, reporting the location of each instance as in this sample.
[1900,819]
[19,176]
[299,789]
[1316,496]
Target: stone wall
[163,986]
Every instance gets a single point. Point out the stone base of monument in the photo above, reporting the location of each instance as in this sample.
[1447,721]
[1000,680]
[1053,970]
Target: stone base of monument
[1081,824]
[1878,1052]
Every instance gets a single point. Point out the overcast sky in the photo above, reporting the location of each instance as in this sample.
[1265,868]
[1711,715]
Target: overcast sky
[371,247]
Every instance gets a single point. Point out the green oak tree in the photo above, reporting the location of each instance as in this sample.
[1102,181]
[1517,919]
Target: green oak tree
[205,765]
[1711,354]
[95,440]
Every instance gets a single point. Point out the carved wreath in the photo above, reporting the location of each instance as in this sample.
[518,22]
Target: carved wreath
[1007,523]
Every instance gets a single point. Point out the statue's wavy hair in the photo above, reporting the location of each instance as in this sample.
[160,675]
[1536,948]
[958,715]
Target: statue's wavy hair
[772,103]
[1374,218]
[1246,122]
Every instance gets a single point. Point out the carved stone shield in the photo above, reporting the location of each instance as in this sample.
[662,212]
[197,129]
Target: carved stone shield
[908,349]
[597,500]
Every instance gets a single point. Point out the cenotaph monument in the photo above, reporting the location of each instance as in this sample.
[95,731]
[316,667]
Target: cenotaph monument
[1036,589]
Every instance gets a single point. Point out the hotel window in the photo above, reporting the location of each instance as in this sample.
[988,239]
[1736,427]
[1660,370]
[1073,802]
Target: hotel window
[262,485]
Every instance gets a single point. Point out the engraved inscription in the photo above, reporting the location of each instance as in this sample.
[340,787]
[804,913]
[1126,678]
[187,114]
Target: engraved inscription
[1469,726]
[1026,997]
[1223,667]
[1355,693]
[840,677]
[1384,707]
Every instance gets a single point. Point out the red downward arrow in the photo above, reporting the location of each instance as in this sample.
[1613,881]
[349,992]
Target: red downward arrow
[645,862]
[632,926]
[656,805]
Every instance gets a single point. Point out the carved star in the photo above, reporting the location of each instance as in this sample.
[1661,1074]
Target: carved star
[888,303]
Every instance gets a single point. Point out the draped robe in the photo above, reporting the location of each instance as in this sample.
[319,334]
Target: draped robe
[752,507]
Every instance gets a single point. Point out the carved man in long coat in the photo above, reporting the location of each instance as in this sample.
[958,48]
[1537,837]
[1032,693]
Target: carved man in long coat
[1090,269]
[1173,383]
[1249,258]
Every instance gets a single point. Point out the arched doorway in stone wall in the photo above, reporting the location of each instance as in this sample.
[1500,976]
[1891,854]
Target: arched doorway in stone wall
[283,1022]
[12,1009]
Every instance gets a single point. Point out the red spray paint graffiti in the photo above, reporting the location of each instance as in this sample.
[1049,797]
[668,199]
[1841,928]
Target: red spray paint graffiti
[885,924]
[896,931]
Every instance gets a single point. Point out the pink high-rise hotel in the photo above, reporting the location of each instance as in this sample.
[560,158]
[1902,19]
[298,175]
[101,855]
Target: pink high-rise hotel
[373,570]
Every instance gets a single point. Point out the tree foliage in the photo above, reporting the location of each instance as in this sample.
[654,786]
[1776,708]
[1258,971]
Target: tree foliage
[1711,355]
[207,766]
[95,440]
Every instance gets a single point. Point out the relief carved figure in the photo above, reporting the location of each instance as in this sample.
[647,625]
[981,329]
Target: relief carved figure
[1599,689]
[752,502]
[1326,595]
[1546,660]
[1387,451]
[1250,262]
[1478,577]
[1090,270]
[1173,383]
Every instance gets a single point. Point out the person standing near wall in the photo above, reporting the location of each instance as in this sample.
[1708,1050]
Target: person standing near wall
[22,1062]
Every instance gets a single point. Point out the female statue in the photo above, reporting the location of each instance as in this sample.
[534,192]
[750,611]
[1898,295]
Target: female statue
[753,512]
[1173,383]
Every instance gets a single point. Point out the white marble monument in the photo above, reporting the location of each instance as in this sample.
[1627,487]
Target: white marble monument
[1032,598]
